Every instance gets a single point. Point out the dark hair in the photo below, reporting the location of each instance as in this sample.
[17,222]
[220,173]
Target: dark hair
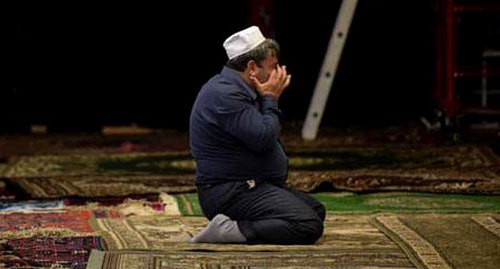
[258,54]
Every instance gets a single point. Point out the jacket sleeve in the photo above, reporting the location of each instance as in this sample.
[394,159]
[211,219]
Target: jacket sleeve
[257,129]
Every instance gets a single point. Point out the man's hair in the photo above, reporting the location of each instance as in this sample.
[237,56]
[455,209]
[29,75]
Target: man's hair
[258,54]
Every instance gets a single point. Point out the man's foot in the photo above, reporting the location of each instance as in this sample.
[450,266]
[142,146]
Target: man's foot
[221,229]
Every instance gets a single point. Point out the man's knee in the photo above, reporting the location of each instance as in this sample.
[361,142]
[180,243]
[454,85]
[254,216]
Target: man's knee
[311,231]
[321,211]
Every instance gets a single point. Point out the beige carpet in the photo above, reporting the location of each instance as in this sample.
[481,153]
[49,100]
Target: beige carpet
[350,241]
[161,242]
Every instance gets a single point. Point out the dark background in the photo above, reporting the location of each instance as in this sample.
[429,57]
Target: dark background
[76,67]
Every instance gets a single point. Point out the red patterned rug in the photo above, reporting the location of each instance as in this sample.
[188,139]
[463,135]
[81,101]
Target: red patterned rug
[48,252]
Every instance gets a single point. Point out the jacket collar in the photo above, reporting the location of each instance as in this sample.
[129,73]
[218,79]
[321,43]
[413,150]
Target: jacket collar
[235,77]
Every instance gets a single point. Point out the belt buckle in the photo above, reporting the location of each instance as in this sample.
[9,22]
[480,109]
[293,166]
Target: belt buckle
[251,184]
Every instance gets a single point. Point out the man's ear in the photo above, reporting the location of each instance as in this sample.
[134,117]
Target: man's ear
[251,65]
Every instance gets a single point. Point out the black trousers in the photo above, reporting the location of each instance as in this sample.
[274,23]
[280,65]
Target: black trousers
[265,213]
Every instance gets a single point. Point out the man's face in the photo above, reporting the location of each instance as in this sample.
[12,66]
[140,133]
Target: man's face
[266,67]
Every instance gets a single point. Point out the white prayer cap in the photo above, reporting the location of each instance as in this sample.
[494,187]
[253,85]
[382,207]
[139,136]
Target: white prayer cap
[243,41]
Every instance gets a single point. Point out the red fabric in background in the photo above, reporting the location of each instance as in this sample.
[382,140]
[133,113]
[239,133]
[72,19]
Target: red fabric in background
[261,14]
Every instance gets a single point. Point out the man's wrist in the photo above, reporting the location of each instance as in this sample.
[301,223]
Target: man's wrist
[270,94]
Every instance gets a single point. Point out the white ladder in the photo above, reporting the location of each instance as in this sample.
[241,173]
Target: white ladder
[328,70]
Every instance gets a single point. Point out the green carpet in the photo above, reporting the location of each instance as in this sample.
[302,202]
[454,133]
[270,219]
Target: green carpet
[391,202]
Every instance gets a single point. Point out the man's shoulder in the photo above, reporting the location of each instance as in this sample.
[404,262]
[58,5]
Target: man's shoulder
[224,89]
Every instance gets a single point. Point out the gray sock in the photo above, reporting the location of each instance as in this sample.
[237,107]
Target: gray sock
[221,229]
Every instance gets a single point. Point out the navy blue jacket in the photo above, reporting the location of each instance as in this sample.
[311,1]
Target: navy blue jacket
[234,133]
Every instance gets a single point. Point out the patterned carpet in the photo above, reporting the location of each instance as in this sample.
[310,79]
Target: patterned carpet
[246,260]
[446,241]
[48,252]
[363,246]
[47,239]
[143,234]
[17,224]
[354,241]
[309,160]
[450,169]
[403,229]
[63,237]
[104,185]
